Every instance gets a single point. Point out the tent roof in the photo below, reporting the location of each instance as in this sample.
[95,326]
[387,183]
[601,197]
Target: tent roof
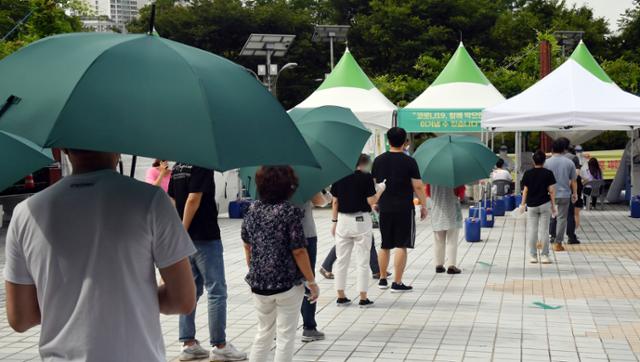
[349,87]
[583,56]
[347,73]
[571,97]
[460,85]
[461,68]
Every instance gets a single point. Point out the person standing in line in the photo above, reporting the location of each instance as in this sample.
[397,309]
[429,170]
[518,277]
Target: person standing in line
[564,171]
[81,258]
[589,174]
[159,174]
[574,215]
[310,332]
[446,220]
[193,190]
[276,251]
[538,196]
[353,197]
[397,211]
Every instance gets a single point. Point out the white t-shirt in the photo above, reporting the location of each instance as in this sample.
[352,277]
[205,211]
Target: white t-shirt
[90,245]
[501,174]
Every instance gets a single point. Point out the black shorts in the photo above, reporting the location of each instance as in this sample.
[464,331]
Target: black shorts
[398,229]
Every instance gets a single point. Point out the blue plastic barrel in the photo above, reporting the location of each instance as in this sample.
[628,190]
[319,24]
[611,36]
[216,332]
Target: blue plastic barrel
[499,206]
[486,221]
[635,207]
[518,201]
[510,202]
[472,229]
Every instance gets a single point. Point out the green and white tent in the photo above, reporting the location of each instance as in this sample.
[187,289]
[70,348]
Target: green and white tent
[454,101]
[349,87]
[582,56]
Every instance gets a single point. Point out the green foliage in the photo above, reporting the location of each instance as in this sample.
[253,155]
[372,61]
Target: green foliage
[49,17]
[400,89]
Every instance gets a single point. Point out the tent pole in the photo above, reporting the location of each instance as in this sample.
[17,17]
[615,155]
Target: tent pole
[518,142]
[492,141]
[632,178]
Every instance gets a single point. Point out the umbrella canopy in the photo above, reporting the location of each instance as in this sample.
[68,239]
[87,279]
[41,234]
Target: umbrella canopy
[453,102]
[336,138]
[348,86]
[454,160]
[20,157]
[145,95]
[576,96]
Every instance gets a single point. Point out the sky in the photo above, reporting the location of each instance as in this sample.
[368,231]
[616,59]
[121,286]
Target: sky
[609,9]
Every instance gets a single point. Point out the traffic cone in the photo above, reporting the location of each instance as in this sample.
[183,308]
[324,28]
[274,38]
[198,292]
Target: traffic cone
[29,183]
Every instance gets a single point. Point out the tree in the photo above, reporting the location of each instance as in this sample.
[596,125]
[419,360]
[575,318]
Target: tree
[43,18]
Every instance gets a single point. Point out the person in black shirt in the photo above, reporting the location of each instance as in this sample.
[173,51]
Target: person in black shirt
[353,197]
[193,190]
[397,211]
[538,196]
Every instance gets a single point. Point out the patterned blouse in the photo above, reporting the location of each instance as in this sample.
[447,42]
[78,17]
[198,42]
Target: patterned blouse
[273,231]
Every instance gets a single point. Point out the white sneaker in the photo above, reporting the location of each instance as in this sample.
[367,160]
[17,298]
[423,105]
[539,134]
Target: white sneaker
[193,352]
[228,353]
[533,260]
[545,259]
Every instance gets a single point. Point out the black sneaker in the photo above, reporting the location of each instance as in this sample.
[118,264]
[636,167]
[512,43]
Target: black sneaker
[400,288]
[343,302]
[365,303]
[382,284]
[440,269]
[573,241]
[453,270]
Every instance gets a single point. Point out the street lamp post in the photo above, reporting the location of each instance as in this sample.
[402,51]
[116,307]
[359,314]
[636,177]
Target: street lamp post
[269,46]
[330,33]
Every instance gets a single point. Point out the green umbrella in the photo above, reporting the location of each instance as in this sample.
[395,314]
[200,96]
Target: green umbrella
[454,160]
[20,157]
[145,95]
[336,138]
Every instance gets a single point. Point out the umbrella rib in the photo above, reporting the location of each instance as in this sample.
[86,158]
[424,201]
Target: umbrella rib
[202,92]
[75,86]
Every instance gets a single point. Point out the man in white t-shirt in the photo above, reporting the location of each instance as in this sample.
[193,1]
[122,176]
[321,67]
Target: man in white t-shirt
[81,258]
[499,173]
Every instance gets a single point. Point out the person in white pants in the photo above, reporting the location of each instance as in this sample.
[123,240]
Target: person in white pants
[276,252]
[446,220]
[353,197]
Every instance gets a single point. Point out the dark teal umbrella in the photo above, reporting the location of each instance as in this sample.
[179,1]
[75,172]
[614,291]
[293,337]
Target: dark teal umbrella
[336,138]
[20,157]
[454,160]
[145,95]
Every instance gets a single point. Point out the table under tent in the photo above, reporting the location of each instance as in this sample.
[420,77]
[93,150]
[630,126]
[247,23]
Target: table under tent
[453,103]
[575,97]
[349,87]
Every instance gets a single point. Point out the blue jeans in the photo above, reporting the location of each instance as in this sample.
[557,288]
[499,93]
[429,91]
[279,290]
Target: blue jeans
[207,266]
[308,310]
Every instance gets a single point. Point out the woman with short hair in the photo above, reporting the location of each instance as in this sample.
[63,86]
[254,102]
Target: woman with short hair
[275,249]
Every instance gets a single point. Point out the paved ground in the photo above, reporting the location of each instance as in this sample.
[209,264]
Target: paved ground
[486,313]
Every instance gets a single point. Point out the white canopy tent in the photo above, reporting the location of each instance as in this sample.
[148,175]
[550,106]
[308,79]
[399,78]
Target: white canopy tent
[571,98]
[349,87]
[453,101]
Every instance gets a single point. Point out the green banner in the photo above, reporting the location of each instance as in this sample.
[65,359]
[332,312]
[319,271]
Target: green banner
[440,120]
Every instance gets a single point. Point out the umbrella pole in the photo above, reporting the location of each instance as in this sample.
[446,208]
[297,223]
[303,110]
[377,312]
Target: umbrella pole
[132,173]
